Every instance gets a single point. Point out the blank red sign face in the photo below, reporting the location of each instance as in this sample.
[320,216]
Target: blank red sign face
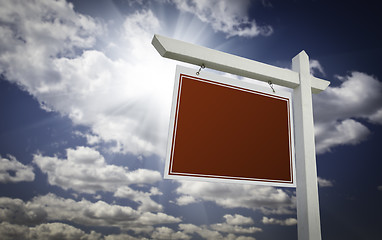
[226,130]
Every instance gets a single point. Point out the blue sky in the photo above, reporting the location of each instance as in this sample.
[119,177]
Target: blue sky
[84,112]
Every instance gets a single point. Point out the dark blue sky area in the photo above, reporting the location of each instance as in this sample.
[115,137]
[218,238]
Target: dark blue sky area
[343,35]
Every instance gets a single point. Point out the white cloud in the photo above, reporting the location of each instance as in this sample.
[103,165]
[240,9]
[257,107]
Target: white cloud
[147,204]
[337,110]
[150,219]
[185,200]
[315,67]
[234,229]
[268,200]
[53,208]
[376,117]
[359,95]
[285,222]
[42,232]
[90,138]
[12,171]
[34,32]
[167,233]
[234,225]
[238,219]
[324,182]
[122,102]
[49,231]
[83,212]
[124,99]
[230,17]
[122,236]
[202,231]
[13,231]
[16,211]
[243,238]
[344,132]
[56,230]
[212,232]
[85,170]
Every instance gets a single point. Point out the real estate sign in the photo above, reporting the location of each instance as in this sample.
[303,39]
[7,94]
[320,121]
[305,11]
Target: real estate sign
[229,130]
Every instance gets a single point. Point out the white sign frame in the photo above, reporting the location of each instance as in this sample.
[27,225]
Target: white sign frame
[238,85]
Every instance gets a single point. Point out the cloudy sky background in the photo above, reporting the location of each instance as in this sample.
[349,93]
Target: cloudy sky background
[85,102]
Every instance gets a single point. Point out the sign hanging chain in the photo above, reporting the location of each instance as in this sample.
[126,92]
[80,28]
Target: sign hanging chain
[200,69]
[271,85]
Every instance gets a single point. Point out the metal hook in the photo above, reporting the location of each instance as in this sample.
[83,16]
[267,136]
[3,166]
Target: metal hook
[200,69]
[271,85]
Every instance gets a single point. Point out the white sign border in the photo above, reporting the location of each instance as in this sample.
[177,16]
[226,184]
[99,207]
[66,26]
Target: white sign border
[235,83]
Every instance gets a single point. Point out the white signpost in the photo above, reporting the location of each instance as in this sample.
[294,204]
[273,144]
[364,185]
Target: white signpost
[303,85]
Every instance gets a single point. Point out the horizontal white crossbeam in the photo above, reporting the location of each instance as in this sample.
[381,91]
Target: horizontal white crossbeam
[221,61]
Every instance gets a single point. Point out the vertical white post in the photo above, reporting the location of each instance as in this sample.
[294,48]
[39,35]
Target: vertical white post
[308,212]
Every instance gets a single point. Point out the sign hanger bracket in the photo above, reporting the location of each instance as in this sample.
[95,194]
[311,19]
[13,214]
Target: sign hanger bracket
[225,62]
